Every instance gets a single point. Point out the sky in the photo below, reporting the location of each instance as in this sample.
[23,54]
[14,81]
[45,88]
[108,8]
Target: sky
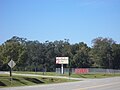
[76,20]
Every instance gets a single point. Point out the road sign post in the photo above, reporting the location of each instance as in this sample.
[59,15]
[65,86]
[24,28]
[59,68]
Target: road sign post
[11,65]
[10,72]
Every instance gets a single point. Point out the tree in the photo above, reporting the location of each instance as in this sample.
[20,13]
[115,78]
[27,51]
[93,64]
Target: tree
[116,56]
[102,52]
[35,53]
[81,58]
[11,49]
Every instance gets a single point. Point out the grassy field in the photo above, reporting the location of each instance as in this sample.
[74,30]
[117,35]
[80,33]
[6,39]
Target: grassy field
[5,81]
[94,75]
[38,73]
[25,80]
[73,75]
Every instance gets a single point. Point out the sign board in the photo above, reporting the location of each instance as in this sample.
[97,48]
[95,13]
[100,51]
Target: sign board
[81,70]
[11,63]
[62,60]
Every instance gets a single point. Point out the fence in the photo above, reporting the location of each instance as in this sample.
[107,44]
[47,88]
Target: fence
[88,70]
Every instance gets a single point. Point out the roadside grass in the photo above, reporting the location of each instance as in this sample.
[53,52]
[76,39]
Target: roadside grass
[27,80]
[99,75]
[38,73]
[18,80]
[94,75]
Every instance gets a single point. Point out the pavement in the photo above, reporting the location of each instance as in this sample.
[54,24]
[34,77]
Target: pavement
[4,72]
[86,84]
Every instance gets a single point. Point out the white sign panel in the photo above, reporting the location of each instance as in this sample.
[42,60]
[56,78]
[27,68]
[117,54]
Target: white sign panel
[11,63]
[62,60]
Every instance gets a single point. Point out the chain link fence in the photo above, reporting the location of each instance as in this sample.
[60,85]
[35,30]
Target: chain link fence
[90,70]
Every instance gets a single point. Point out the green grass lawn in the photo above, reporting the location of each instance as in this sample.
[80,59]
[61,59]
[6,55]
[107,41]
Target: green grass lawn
[94,75]
[38,73]
[25,80]
[73,75]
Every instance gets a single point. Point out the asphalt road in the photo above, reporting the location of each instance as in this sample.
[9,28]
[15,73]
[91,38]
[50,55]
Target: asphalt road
[87,84]
[3,72]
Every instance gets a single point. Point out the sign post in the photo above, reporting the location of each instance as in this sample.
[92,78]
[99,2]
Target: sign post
[62,60]
[11,65]
[62,70]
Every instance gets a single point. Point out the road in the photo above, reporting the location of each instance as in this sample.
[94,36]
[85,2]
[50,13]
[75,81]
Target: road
[3,72]
[87,84]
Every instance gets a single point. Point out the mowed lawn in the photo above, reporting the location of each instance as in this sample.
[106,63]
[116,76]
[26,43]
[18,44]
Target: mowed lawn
[99,75]
[94,75]
[5,80]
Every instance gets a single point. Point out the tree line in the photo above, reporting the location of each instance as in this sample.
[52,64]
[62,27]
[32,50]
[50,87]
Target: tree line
[36,56]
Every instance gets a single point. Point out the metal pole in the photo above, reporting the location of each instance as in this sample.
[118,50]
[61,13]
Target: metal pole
[10,76]
[10,72]
[69,68]
[62,68]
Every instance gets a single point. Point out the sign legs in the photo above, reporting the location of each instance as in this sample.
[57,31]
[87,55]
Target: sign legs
[10,72]
[62,69]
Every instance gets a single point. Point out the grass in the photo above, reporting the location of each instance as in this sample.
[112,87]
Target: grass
[94,75]
[38,73]
[5,81]
[73,75]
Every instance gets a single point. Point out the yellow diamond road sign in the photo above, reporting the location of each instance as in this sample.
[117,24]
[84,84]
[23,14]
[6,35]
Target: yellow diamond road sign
[11,63]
